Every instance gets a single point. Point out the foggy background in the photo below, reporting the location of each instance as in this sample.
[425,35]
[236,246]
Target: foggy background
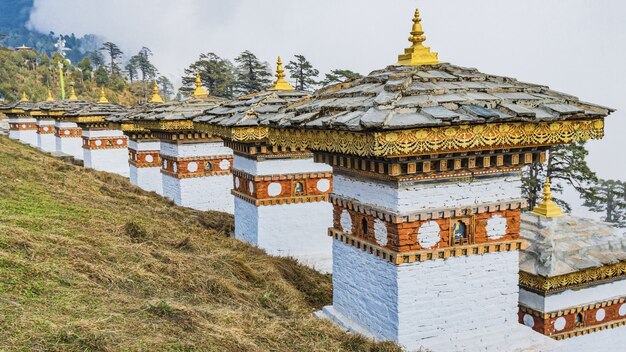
[574,46]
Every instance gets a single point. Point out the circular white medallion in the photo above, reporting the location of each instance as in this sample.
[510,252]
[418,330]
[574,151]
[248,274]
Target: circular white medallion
[98,142]
[346,222]
[496,227]
[175,166]
[380,232]
[66,132]
[622,310]
[23,126]
[323,185]
[149,158]
[192,166]
[251,186]
[274,189]
[46,129]
[428,234]
[529,321]
[236,182]
[600,314]
[119,141]
[559,324]
[224,164]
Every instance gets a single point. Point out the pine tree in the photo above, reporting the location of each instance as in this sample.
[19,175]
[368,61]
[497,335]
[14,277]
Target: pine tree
[303,72]
[143,65]
[85,67]
[217,75]
[131,69]
[97,59]
[566,163]
[165,87]
[339,76]
[114,54]
[609,197]
[252,74]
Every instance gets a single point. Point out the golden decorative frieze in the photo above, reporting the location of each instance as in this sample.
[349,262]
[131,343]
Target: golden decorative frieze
[546,285]
[440,139]
[166,125]
[235,134]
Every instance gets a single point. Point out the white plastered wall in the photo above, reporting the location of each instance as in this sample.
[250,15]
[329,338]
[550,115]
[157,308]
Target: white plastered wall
[147,178]
[109,160]
[457,304]
[610,340]
[295,230]
[71,146]
[189,150]
[288,230]
[142,146]
[25,136]
[411,198]
[201,193]
[46,141]
[278,166]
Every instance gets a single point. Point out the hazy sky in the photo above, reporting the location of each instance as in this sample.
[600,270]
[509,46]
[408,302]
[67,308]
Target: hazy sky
[574,46]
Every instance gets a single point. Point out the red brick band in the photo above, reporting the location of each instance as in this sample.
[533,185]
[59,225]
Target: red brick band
[45,129]
[196,166]
[96,143]
[22,126]
[144,159]
[68,132]
[577,320]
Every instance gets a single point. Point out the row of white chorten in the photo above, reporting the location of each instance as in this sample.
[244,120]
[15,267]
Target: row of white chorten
[416,170]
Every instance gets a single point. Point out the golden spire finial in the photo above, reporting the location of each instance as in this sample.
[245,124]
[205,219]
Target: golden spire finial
[24,97]
[50,98]
[199,92]
[280,83]
[548,207]
[417,54]
[103,98]
[156,98]
[72,92]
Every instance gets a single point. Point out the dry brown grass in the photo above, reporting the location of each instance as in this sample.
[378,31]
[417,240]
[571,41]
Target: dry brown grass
[90,263]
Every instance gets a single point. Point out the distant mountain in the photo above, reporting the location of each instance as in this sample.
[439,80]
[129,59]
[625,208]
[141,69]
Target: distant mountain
[14,16]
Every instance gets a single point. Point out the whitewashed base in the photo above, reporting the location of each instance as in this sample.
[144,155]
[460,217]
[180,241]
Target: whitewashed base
[27,137]
[611,340]
[109,160]
[70,146]
[457,304]
[200,193]
[46,142]
[147,178]
[288,230]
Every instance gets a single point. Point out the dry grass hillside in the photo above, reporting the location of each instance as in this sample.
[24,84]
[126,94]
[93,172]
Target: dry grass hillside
[90,263]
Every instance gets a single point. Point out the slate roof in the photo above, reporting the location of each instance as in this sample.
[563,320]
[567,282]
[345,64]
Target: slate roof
[64,106]
[185,109]
[19,105]
[566,244]
[96,109]
[403,97]
[253,109]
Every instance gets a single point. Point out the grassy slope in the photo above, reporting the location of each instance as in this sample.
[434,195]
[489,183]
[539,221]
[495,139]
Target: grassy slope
[89,262]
